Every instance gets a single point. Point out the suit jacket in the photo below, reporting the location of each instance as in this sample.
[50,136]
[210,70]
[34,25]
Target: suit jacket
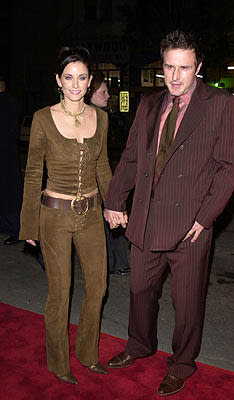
[197,179]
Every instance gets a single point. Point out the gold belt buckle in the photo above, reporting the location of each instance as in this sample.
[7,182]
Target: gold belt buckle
[75,200]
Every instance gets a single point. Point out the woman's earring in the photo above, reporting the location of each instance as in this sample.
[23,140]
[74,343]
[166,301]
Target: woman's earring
[60,91]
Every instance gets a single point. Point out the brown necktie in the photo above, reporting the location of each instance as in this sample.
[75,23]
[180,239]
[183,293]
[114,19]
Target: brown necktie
[167,137]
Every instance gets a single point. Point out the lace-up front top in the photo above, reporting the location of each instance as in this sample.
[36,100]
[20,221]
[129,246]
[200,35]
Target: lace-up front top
[72,167]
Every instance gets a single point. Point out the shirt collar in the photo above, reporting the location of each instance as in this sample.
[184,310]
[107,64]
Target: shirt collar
[185,98]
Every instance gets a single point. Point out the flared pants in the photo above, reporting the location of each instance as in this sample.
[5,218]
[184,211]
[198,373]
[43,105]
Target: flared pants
[58,229]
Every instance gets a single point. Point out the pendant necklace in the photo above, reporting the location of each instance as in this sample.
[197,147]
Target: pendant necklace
[76,116]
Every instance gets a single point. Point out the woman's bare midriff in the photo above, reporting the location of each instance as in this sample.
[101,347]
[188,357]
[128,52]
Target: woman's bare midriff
[67,196]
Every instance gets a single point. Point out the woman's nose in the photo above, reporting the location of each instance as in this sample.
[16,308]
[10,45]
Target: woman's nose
[75,83]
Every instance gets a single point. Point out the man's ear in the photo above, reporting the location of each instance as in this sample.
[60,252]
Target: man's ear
[198,68]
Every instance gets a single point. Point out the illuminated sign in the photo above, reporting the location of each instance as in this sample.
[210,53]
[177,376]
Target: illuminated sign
[124,101]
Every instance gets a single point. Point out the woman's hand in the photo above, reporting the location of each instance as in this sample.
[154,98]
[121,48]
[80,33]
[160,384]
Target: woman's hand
[32,242]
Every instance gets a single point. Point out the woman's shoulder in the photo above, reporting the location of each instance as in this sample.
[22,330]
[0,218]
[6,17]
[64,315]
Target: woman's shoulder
[100,112]
[42,112]
[102,117]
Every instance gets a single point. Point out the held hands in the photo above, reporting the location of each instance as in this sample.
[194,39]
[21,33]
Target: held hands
[194,232]
[115,218]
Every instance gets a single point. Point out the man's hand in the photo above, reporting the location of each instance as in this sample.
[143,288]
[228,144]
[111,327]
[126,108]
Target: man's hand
[115,218]
[194,232]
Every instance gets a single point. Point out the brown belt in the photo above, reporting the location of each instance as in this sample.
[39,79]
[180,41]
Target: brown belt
[80,204]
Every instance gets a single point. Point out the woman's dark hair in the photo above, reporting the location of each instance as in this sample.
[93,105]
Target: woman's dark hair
[72,54]
[181,40]
[98,79]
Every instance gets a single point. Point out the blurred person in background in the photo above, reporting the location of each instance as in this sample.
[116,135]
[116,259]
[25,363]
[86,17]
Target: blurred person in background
[10,174]
[117,260]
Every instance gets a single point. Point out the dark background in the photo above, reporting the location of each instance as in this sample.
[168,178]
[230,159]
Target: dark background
[122,32]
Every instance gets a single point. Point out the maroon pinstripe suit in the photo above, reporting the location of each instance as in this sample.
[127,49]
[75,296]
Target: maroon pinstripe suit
[195,185]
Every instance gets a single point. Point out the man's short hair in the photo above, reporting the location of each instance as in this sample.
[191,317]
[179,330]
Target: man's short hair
[181,40]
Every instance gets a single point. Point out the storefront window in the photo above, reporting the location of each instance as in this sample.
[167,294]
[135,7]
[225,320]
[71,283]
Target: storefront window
[112,73]
[152,75]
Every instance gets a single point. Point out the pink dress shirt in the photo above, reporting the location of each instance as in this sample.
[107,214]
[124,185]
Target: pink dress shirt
[167,106]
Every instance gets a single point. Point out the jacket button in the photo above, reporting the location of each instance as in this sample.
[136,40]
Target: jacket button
[177,204]
[182,147]
[180,176]
[146,174]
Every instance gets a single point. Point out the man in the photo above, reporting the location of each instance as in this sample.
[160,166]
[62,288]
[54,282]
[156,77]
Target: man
[182,183]
[10,175]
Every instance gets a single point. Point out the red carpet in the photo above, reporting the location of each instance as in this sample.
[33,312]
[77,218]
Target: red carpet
[24,375]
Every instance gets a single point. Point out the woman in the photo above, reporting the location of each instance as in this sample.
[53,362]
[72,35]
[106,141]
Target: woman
[98,93]
[117,259]
[71,137]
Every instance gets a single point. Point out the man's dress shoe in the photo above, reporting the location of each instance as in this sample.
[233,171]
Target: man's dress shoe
[121,360]
[170,385]
[97,368]
[67,378]
[11,240]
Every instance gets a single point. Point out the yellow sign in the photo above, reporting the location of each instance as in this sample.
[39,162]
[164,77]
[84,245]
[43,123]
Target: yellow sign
[124,101]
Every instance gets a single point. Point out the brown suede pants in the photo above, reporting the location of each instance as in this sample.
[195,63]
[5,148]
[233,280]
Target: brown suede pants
[58,228]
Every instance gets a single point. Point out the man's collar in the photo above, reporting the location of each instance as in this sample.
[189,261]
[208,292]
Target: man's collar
[185,98]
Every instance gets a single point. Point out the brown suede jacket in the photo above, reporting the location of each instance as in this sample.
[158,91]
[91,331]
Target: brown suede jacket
[71,166]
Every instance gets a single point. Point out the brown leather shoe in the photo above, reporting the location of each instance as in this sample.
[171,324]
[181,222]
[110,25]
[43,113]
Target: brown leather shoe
[170,385]
[121,360]
[97,368]
[67,378]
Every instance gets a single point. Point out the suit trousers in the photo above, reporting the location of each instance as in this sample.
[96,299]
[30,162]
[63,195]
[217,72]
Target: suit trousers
[116,249]
[189,276]
[58,229]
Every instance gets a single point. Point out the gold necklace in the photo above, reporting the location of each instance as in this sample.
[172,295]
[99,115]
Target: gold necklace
[76,116]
